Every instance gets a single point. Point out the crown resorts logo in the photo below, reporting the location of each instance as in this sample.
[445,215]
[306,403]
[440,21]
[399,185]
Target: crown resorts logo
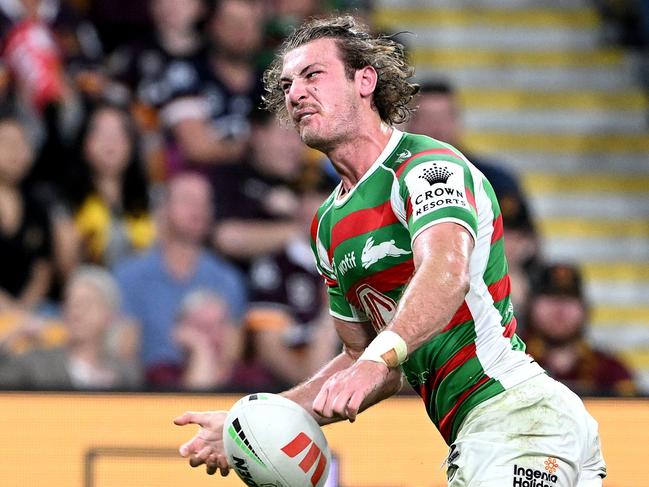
[435,175]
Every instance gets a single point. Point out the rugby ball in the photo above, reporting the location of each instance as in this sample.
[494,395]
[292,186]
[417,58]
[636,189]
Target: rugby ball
[271,441]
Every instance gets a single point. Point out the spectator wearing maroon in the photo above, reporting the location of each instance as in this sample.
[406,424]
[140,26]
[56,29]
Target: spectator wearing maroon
[289,325]
[256,201]
[556,337]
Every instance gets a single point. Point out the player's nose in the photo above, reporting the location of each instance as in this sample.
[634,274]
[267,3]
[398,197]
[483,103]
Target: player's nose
[297,93]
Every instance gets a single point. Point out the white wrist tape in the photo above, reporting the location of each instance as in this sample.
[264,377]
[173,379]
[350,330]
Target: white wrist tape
[384,342]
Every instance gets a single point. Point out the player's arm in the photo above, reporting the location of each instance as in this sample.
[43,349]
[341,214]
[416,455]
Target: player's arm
[438,287]
[436,291]
[355,337]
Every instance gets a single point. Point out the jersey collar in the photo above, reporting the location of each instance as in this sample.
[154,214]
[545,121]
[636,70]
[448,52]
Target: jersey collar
[394,140]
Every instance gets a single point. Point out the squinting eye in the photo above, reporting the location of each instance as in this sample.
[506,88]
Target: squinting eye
[312,74]
[286,87]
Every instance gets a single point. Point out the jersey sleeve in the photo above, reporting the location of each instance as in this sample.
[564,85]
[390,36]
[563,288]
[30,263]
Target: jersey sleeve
[436,191]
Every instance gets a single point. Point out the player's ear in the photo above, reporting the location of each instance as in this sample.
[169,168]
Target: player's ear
[366,78]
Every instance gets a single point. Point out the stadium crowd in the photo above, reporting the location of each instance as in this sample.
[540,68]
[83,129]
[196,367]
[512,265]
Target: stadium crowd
[154,222]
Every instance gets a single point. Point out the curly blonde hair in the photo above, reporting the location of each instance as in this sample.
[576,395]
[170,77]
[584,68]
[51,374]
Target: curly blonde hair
[358,49]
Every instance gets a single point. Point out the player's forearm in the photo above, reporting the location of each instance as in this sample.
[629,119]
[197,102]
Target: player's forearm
[429,303]
[305,393]
[436,291]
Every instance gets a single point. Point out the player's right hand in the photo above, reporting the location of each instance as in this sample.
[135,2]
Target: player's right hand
[206,447]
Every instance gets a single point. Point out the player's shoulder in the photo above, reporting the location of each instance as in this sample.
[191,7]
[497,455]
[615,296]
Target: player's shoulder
[416,149]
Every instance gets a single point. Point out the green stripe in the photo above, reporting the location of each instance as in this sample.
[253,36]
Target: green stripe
[505,309]
[468,216]
[432,355]
[242,445]
[496,264]
[454,385]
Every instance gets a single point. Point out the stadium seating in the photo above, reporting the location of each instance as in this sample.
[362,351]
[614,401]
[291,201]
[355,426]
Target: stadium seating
[546,95]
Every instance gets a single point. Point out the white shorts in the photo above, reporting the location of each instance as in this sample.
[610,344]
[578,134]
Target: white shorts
[536,434]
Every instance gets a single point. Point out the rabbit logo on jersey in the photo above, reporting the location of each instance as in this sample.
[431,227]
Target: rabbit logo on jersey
[434,185]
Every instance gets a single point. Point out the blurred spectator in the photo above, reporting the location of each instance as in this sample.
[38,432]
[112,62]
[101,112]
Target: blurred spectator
[626,22]
[107,189]
[154,284]
[282,19]
[48,56]
[211,343]
[438,116]
[25,227]
[43,41]
[522,248]
[556,337]
[142,66]
[289,323]
[119,22]
[147,66]
[89,311]
[256,201]
[211,99]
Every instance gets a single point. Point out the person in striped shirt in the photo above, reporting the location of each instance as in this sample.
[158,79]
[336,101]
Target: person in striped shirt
[410,245]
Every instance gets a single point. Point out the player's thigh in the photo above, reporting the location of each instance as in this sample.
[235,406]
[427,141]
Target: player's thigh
[496,461]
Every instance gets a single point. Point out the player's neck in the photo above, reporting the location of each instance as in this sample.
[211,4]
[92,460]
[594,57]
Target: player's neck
[353,158]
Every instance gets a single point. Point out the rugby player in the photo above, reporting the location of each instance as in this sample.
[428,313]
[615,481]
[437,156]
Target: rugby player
[410,245]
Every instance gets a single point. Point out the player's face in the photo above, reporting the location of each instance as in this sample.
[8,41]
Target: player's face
[321,100]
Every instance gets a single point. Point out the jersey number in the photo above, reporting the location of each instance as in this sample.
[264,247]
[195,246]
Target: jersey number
[378,307]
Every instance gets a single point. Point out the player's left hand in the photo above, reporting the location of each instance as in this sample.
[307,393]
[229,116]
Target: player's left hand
[206,447]
[344,392]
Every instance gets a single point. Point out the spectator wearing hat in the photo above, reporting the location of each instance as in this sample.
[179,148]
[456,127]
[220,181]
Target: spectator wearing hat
[557,324]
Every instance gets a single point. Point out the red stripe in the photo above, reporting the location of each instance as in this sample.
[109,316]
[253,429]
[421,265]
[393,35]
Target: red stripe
[460,358]
[297,444]
[447,421]
[310,458]
[361,221]
[314,227]
[319,470]
[462,315]
[498,229]
[440,151]
[510,328]
[500,289]
[329,282]
[408,208]
[385,280]
[471,198]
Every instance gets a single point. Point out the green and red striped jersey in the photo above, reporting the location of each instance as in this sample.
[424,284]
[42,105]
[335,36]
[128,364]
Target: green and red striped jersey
[362,241]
